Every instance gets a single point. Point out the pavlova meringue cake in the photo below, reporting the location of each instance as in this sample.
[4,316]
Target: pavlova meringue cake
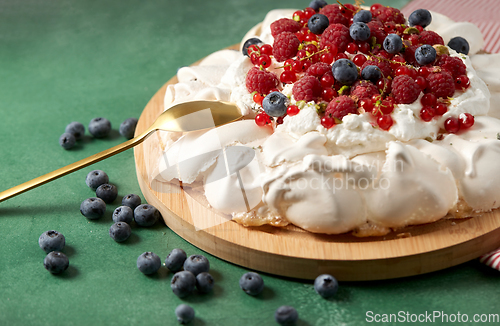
[355,120]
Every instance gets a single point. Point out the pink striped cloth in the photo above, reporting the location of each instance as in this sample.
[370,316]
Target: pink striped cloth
[486,15]
[483,13]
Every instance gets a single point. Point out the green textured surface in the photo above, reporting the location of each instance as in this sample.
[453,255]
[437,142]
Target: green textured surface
[73,60]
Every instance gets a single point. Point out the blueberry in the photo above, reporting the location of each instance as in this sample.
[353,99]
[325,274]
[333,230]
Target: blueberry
[318,23]
[183,283]
[96,178]
[107,192]
[120,231]
[250,41]
[362,16]
[326,285]
[345,71]
[184,313]
[131,201]
[425,54]
[175,260]
[393,43]
[317,4]
[204,282]
[286,315]
[76,129]
[421,17]
[275,104]
[67,141]
[127,128]
[51,241]
[123,214]
[459,44]
[251,283]
[371,73]
[99,127]
[359,31]
[146,215]
[93,208]
[56,262]
[196,264]
[148,263]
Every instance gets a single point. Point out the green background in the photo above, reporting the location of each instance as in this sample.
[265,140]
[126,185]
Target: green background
[74,60]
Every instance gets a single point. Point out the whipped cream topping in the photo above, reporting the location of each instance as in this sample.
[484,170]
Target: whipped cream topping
[353,176]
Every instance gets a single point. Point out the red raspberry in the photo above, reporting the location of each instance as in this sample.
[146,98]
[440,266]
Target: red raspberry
[285,46]
[409,54]
[363,89]
[430,37]
[384,65]
[284,25]
[404,89]
[341,106]
[318,69]
[377,30]
[334,14]
[308,88]
[261,81]
[441,84]
[453,64]
[336,34]
[389,14]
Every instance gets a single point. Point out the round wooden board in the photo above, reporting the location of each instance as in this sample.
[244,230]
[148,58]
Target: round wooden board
[293,252]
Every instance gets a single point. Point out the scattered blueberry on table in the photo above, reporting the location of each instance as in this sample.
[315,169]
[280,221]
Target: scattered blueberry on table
[184,313]
[96,178]
[204,282]
[286,315]
[127,128]
[183,283]
[76,129]
[146,215]
[51,241]
[123,214]
[131,200]
[67,141]
[175,260]
[56,262]
[107,192]
[148,263]
[120,231]
[93,208]
[326,285]
[251,283]
[197,264]
[99,127]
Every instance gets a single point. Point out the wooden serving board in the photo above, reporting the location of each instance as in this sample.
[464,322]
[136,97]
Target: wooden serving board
[293,252]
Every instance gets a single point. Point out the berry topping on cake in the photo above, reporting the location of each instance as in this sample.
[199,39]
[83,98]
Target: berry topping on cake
[318,69]
[285,46]
[459,44]
[345,71]
[248,43]
[393,43]
[430,37]
[261,81]
[377,30]
[405,90]
[371,73]
[389,14]
[383,65]
[441,84]
[362,16]
[340,107]
[364,89]
[420,17]
[359,31]
[318,23]
[334,14]
[317,4]
[308,88]
[284,25]
[452,64]
[275,104]
[425,55]
[337,35]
